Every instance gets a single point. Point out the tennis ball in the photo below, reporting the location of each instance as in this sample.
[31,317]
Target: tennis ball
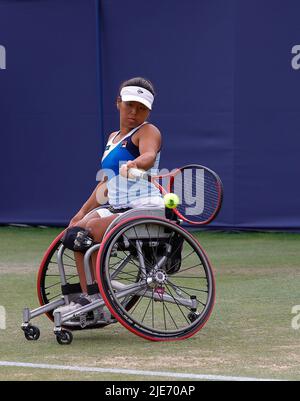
[171,200]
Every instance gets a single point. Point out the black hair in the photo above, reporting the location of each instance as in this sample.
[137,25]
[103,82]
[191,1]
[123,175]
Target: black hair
[141,82]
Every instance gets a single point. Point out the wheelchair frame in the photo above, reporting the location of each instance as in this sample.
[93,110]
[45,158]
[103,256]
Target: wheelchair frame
[101,317]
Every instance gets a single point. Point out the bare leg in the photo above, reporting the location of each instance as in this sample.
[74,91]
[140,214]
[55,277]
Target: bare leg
[80,270]
[97,226]
[98,230]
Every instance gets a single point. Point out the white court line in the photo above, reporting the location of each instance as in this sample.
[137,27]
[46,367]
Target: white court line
[130,372]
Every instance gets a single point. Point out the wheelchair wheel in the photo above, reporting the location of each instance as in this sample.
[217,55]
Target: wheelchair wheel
[49,283]
[164,269]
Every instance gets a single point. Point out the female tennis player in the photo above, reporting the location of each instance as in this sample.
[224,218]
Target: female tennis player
[136,144]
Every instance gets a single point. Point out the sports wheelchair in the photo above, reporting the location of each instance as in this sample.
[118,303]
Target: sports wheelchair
[152,276]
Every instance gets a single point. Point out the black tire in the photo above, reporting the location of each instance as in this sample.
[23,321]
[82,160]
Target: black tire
[64,337]
[32,333]
[172,316]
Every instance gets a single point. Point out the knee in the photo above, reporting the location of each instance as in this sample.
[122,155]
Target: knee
[77,239]
[94,227]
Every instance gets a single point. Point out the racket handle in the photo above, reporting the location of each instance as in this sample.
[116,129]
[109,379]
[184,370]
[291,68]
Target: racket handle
[136,173]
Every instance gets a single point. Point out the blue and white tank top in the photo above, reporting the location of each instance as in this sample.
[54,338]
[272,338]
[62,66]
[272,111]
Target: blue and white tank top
[124,192]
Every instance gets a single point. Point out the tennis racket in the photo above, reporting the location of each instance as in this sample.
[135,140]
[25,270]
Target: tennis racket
[199,189]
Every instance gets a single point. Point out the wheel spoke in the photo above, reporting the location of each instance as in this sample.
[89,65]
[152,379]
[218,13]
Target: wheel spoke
[129,240]
[193,289]
[176,302]
[167,309]
[187,288]
[125,273]
[189,268]
[139,300]
[70,257]
[53,285]
[187,277]
[138,267]
[149,303]
[150,239]
[53,297]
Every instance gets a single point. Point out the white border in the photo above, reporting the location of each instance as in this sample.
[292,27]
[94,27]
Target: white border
[174,375]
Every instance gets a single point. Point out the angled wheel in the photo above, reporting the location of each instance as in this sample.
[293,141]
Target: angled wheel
[164,269]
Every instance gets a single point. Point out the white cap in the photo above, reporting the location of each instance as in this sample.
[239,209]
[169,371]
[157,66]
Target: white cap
[137,94]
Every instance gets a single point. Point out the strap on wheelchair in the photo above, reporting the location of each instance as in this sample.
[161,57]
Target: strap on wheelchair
[92,289]
[69,289]
[171,215]
[121,210]
[77,239]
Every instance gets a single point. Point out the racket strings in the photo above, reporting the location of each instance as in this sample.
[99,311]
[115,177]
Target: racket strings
[199,191]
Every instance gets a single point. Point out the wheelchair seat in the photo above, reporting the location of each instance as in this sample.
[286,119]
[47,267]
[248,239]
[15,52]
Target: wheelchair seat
[150,211]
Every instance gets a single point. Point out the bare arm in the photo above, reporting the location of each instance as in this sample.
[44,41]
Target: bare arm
[149,145]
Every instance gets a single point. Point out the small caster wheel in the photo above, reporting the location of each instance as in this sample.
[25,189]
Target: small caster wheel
[32,333]
[64,337]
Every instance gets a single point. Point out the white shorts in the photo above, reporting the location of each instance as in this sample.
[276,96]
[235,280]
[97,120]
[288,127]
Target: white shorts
[105,212]
[154,201]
